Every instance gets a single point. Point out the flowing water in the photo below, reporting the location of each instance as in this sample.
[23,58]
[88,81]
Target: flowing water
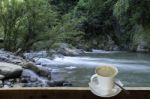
[134,68]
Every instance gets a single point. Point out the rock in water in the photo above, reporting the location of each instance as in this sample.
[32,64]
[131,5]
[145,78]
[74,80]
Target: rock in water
[6,86]
[10,70]
[1,84]
[141,48]
[64,49]
[31,79]
[46,72]
[59,83]
[19,85]
[2,77]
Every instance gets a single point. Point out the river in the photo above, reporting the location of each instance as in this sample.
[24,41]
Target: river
[134,68]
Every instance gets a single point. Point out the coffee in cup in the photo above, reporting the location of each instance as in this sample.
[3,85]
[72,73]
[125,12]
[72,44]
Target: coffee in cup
[105,71]
[105,77]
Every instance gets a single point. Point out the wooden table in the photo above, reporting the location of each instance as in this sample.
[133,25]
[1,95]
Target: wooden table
[69,93]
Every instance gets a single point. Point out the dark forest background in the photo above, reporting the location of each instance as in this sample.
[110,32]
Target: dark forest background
[102,24]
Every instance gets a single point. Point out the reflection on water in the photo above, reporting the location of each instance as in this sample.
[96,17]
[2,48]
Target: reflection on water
[134,68]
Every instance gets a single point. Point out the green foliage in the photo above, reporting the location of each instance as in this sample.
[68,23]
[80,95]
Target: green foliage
[26,22]
[63,6]
[39,19]
[120,8]
[11,12]
[133,16]
[40,24]
[99,20]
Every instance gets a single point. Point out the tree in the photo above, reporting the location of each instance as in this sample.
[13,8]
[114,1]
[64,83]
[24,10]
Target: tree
[25,23]
[133,16]
[99,26]
[39,19]
[11,12]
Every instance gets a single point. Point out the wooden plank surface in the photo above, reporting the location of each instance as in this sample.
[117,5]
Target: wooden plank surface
[69,93]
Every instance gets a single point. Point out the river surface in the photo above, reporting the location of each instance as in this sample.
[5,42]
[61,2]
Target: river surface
[134,68]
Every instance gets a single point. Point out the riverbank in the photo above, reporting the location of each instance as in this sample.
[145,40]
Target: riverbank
[34,69]
[41,69]
[18,72]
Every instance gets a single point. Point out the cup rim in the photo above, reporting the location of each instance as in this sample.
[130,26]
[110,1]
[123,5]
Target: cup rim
[112,66]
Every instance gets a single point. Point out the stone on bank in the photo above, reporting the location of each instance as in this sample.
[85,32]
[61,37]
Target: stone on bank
[10,70]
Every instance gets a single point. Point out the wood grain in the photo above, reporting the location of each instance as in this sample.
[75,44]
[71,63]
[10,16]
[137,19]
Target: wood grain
[69,93]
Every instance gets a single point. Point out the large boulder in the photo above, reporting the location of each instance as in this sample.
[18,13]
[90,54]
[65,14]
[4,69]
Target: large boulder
[10,70]
[142,47]
[64,49]
[31,79]
[41,71]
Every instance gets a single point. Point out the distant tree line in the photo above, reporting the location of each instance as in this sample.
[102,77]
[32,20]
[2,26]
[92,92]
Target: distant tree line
[39,24]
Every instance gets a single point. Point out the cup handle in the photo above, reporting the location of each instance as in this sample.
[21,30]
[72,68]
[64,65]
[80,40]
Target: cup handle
[93,77]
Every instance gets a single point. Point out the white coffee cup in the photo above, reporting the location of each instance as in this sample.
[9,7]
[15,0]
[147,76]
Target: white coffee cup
[106,82]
